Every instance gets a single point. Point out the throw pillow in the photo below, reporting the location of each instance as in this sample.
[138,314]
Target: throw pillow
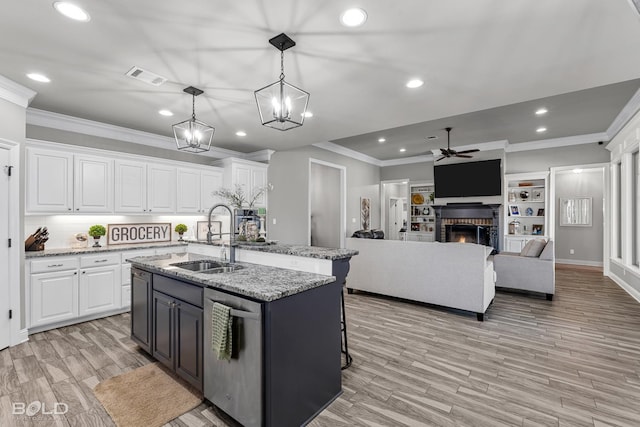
[533,248]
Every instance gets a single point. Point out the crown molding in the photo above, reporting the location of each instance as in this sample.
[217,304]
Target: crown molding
[63,122]
[15,93]
[259,156]
[557,142]
[339,149]
[629,110]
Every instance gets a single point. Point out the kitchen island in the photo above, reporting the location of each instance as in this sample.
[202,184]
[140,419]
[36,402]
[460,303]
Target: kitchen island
[285,367]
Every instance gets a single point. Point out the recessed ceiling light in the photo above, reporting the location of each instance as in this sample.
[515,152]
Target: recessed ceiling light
[241,133]
[166,113]
[402,150]
[72,11]
[39,77]
[542,129]
[307,114]
[541,111]
[353,17]
[412,84]
[381,140]
[405,182]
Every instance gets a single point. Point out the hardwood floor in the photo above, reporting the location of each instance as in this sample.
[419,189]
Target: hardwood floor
[571,362]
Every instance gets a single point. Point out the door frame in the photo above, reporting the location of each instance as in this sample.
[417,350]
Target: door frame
[343,198]
[383,199]
[16,252]
[606,205]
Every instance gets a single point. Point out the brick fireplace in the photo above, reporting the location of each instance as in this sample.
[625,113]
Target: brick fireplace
[475,219]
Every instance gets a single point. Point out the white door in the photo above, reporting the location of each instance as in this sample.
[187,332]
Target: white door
[161,190]
[93,184]
[49,181]
[188,194]
[325,204]
[211,181]
[130,187]
[5,331]
[258,181]
[100,290]
[54,297]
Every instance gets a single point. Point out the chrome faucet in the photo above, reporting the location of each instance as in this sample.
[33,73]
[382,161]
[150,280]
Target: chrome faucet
[232,234]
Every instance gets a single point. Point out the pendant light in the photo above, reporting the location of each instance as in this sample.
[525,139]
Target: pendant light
[192,135]
[281,105]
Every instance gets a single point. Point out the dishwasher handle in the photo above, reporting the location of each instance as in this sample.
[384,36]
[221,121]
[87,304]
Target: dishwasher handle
[242,313]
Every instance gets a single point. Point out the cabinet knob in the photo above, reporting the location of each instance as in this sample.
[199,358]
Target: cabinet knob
[75,274]
[84,272]
[68,209]
[77,209]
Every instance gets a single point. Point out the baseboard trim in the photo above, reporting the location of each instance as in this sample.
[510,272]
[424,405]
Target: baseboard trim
[77,320]
[635,294]
[20,337]
[580,262]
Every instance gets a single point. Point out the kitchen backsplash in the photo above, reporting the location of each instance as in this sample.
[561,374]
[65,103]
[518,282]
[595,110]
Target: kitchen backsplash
[62,228]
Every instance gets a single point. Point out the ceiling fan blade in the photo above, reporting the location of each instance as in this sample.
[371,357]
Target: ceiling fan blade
[468,151]
[464,155]
[437,160]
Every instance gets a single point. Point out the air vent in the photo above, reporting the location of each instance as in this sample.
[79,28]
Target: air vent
[432,137]
[145,76]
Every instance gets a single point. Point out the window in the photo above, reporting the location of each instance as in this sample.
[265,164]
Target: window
[616,247]
[635,212]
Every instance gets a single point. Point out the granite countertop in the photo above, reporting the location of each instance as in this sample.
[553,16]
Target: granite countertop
[256,281]
[296,250]
[104,248]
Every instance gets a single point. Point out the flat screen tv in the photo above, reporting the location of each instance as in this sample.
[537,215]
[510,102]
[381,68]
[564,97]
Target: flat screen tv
[468,179]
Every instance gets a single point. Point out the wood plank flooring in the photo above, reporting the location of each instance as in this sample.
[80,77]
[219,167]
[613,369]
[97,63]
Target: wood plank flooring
[571,362]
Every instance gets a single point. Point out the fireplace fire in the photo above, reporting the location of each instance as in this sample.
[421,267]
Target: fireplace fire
[467,233]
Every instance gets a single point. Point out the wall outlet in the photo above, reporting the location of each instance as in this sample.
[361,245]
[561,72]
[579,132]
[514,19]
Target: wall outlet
[274,221]
[571,251]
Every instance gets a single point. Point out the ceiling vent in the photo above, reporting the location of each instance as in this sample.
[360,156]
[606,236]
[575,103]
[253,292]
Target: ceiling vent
[145,76]
[636,5]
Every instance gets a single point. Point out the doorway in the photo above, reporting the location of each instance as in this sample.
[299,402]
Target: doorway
[5,324]
[327,215]
[397,217]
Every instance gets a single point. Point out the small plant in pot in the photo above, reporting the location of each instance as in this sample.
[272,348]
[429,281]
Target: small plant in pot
[97,231]
[180,229]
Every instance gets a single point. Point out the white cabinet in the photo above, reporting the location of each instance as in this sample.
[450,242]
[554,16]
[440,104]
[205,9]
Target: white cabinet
[49,181]
[161,188]
[251,176]
[93,189]
[516,243]
[142,187]
[196,188]
[188,197]
[210,181]
[130,186]
[420,237]
[54,297]
[61,289]
[99,290]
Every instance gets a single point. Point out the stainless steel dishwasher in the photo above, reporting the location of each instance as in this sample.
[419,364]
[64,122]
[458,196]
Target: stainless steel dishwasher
[235,386]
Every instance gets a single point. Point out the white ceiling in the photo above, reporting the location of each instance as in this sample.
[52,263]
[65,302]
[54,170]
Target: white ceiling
[473,55]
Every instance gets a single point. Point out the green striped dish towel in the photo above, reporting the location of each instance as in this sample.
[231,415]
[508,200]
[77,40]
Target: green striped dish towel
[221,331]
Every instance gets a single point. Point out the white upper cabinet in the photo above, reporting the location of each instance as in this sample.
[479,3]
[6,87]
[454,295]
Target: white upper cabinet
[130,186]
[161,188]
[188,196]
[93,190]
[210,181]
[251,176]
[49,181]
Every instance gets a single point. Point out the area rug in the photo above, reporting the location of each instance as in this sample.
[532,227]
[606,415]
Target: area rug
[148,396]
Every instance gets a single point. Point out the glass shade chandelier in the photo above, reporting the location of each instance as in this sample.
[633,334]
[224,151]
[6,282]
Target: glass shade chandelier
[192,135]
[282,105]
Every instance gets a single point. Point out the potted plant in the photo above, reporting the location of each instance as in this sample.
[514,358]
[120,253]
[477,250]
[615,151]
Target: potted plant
[97,231]
[180,229]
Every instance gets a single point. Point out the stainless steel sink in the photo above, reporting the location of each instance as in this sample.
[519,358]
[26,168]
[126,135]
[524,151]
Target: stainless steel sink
[224,269]
[198,265]
[208,267]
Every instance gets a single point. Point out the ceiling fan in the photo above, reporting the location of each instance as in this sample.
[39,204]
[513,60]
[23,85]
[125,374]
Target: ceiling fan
[449,152]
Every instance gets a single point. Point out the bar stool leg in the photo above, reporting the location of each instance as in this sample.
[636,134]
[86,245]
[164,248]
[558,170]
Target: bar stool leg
[345,342]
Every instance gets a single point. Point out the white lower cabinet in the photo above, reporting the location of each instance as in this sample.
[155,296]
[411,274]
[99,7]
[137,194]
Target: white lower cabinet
[100,289]
[54,297]
[516,243]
